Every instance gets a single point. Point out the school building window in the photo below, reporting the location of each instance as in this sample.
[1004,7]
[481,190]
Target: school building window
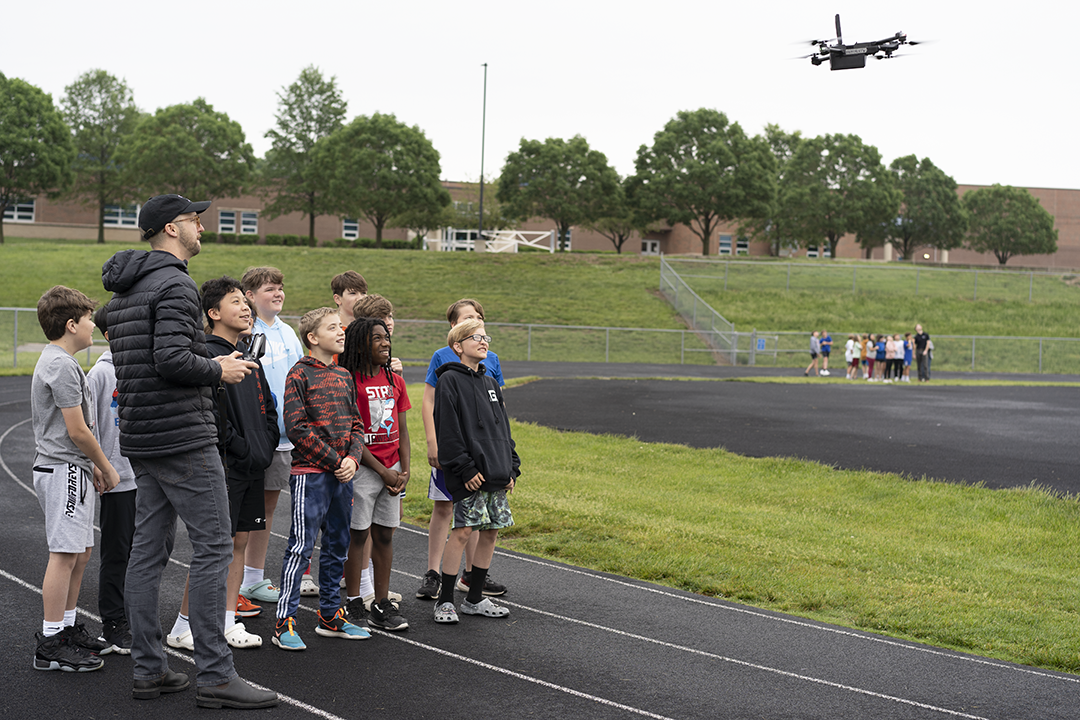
[742,246]
[725,244]
[350,229]
[226,221]
[249,223]
[20,211]
[650,247]
[122,215]
[812,252]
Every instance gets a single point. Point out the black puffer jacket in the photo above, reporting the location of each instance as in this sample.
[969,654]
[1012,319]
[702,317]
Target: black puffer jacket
[164,375]
[249,418]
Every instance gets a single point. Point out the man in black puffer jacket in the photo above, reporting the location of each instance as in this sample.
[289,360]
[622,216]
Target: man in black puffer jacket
[165,379]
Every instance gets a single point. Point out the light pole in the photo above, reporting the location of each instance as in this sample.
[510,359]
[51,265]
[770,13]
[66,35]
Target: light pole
[483,132]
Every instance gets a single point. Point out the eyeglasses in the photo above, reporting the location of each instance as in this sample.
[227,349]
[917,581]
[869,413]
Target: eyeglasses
[197,219]
[478,338]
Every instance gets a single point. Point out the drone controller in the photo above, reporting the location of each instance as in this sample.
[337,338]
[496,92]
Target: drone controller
[256,348]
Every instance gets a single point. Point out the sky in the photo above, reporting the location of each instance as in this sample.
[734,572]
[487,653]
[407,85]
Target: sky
[991,100]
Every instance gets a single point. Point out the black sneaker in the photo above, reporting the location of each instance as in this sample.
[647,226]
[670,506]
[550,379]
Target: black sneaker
[356,612]
[59,653]
[118,634]
[385,616]
[85,640]
[491,588]
[429,587]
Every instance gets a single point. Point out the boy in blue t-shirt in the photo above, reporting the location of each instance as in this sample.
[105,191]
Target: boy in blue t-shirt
[443,512]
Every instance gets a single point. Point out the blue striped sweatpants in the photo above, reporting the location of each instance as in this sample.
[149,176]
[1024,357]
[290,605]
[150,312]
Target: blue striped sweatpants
[319,501]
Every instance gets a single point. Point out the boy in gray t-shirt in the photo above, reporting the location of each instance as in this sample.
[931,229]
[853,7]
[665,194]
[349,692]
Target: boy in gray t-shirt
[67,460]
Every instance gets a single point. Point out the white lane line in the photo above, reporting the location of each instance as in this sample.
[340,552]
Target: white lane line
[744,663]
[187,658]
[709,602]
[5,465]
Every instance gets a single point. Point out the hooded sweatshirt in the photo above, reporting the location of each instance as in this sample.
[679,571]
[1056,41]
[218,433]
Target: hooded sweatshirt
[246,409]
[164,376]
[473,430]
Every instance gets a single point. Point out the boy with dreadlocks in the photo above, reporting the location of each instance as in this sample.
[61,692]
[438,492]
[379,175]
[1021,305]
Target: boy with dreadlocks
[384,468]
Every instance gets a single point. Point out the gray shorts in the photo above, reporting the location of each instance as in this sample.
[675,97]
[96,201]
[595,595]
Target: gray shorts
[67,497]
[277,475]
[372,504]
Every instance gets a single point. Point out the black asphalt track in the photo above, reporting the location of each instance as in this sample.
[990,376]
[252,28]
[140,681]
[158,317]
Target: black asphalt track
[577,644]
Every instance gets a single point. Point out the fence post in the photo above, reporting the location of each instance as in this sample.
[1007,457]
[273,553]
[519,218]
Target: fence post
[682,348]
[1040,354]
[976,286]
[693,324]
[973,354]
[528,353]
[15,345]
[853,270]
[726,266]
[788,277]
[607,341]
[753,345]
[916,280]
[1031,286]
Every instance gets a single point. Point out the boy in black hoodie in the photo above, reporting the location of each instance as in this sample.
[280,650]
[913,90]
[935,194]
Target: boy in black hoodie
[479,462]
[247,437]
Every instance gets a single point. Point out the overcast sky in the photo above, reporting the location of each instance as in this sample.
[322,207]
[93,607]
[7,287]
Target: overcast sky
[993,100]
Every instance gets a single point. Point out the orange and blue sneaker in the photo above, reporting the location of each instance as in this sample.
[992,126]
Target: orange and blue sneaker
[285,636]
[339,626]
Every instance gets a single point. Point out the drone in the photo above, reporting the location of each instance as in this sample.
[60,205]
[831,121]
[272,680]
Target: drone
[850,57]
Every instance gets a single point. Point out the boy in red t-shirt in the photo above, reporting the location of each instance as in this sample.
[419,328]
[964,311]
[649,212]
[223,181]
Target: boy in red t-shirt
[384,469]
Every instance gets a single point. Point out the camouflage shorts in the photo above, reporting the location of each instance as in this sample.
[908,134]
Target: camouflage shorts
[484,510]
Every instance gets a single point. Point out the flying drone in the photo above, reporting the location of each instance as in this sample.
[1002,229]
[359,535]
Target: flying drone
[850,57]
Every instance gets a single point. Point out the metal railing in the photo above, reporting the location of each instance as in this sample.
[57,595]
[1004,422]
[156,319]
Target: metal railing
[712,327]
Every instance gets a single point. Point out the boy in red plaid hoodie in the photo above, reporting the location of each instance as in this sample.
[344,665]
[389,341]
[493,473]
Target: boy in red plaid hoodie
[324,426]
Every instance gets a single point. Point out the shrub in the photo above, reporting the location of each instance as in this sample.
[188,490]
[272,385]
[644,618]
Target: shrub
[291,240]
[274,239]
[312,241]
[210,237]
[227,238]
[249,239]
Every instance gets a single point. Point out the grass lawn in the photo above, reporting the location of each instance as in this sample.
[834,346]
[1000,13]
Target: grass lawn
[985,571]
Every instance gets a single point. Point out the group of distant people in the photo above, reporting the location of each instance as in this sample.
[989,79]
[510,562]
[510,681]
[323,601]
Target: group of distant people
[874,357]
[205,407]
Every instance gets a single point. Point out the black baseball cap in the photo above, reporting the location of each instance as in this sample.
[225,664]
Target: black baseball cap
[160,210]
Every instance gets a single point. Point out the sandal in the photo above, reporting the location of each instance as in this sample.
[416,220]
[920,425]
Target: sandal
[485,607]
[445,613]
[238,637]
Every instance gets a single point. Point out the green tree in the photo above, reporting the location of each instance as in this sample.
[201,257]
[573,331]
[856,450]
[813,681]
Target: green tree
[308,110]
[1008,221]
[775,227]
[931,214]
[381,169]
[564,181]
[702,170]
[836,185]
[101,111]
[191,149]
[35,145]
[622,216]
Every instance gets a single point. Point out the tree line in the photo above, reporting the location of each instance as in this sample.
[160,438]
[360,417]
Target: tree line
[701,170]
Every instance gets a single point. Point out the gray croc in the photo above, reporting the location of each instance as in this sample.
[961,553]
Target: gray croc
[445,613]
[485,608]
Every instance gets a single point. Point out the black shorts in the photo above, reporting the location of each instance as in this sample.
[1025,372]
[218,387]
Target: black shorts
[247,508]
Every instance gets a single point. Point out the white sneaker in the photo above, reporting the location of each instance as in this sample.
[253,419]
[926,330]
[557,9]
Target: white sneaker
[182,641]
[308,587]
[824,372]
[238,637]
[390,594]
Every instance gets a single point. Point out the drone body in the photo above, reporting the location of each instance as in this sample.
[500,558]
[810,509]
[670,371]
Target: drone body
[851,57]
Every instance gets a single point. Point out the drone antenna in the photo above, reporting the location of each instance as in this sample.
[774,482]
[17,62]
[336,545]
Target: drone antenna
[839,37]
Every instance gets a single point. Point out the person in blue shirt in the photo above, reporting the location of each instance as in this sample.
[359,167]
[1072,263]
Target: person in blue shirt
[826,348]
[443,512]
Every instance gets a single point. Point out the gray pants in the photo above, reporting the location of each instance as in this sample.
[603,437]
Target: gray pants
[190,485]
[924,366]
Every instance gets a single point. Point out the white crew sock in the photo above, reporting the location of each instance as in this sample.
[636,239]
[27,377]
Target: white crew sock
[48,629]
[251,576]
[230,619]
[367,586]
[181,625]
[69,618]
